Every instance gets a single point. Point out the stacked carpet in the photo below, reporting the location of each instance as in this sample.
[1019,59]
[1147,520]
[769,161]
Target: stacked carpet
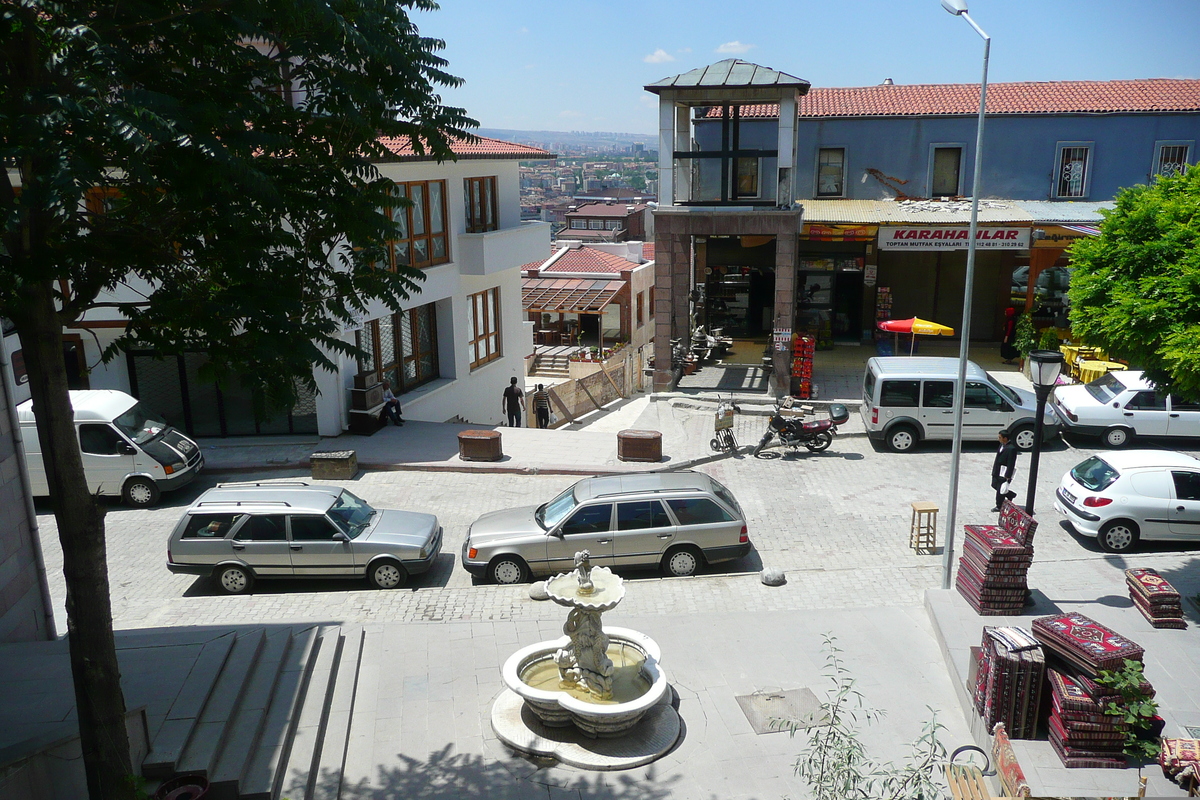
[1079,731]
[994,563]
[1155,598]
[1008,686]
[1084,643]
[1180,760]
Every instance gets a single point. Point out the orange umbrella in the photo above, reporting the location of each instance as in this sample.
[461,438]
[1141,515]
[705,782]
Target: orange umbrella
[914,326]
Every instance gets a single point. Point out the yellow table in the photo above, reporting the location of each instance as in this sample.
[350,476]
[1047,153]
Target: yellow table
[1091,370]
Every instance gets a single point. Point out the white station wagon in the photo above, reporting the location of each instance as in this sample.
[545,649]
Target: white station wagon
[1120,405]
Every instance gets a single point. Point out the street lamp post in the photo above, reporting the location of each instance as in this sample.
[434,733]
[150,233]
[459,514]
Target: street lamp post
[1044,366]
[959,8]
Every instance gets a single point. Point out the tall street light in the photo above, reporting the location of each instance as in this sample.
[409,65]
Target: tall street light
[959,9]
[1044,366]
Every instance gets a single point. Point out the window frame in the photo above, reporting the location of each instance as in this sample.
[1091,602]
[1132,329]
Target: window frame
[817,173]
[483,211]
[370,340]
[934,147]
[577,224]
[490,328]
[641,309]
[1060,149]
[429,236]
[1162,144]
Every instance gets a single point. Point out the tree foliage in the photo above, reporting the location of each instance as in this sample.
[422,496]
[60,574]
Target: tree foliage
[1135,291]
[205,167]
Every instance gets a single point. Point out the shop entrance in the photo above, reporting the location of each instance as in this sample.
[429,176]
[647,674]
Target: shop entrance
[739,293]
[829,292]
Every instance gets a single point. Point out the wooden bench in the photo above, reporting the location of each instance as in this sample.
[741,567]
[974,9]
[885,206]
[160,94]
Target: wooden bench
[966,781]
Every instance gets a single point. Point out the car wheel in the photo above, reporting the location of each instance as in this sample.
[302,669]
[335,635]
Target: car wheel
[1116,437]
[235,579]
[682,562]
[507,570]
[387,575]
[902,438]
[1024,438]
[763,443]
[1118,536]
[140,492]
[821,442]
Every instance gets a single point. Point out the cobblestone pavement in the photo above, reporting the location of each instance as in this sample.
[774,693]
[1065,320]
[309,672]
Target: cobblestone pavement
[837,522]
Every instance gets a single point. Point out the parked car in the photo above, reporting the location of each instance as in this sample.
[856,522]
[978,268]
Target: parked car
[1120,405]
[1123,497]
[677,521]
[237,533]
[907,399]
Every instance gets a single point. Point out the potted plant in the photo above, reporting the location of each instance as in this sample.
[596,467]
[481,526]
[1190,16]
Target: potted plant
[1025,339]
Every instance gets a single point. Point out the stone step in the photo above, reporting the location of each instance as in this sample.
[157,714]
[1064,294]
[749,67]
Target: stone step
[263,773]
[200,754]
[329,766]
[171,738]
[248,717]
[360,768]
[298,774]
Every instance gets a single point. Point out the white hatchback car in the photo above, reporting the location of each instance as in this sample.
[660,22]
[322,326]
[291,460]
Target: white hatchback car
[1120,405]
[1137,494]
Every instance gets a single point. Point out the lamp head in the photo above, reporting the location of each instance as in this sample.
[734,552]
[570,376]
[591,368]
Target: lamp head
[1044,367]
[955,7]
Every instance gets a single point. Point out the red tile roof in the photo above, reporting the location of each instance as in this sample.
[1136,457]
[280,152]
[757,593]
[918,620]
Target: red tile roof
[589,259]
[607,209]
[478,147]
[648,251]
[1044,97]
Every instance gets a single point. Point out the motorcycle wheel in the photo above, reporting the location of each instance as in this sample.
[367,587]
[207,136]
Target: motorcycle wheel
[766,438]
[715,445]
[820,442]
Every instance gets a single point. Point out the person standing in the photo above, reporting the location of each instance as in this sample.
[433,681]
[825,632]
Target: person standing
[1008,344]
[541,406]
[1003,469]
[511,403]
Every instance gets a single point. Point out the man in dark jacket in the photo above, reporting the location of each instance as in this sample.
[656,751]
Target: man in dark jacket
[511,403]
[1003,469]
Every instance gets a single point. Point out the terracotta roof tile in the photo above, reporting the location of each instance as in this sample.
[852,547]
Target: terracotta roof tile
[589,259]
[478,147]
[1040,97]
[648,251]
[606,210]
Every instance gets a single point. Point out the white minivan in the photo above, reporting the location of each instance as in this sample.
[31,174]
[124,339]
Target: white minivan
[907,399]
[127,450]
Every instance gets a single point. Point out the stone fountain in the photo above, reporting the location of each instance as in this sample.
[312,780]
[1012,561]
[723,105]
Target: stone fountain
[567,697]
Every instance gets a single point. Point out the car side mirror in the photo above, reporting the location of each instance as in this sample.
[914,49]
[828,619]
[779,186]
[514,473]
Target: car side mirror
[126,449]
[340,537]
[557,533]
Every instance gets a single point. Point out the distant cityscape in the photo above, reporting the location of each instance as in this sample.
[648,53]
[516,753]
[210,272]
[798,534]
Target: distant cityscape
[604,168]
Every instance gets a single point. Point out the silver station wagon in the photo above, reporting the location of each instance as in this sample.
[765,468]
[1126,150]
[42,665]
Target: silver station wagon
[237,533]
[677,521]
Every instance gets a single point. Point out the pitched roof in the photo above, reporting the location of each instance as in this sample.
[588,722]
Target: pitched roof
[1030,97]
[732,72]
[480,147]
[589,259]
[606,210]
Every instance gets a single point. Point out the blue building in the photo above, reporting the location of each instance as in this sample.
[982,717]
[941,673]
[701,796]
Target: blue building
[882,178]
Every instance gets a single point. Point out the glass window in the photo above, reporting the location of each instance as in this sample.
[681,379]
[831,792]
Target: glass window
[612,225]
[641,308]
[1171,159]
[596,224]
[1183,405]
[419,228]
[1187,485]
[1094,474]
[99,439]
[747,177]
[579,224]
[899,394]
[209,526]
[481,204]
[698,511]
[830,170]
[1106,387]
[549,515]
[351,514]
[938,394]
[725,495]
[268,528]
[312,528]
[643,514]
[483,327]
[946,162]
[980,395]
[1148,401]
[589,519]
[140,425]
[1072,171]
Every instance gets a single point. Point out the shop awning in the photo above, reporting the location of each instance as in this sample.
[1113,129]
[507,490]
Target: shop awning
[573,295]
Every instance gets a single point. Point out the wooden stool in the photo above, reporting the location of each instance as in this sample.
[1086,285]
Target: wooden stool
[922,535]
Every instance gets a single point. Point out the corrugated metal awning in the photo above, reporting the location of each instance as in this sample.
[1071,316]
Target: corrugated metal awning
[575,295]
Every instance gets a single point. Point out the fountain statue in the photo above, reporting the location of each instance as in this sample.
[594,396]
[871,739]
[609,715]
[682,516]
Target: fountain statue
[602,681]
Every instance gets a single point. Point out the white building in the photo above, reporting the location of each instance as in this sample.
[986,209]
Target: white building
[448,354]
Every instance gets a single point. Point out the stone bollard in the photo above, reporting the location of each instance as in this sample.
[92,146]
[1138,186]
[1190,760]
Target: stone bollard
[773,577]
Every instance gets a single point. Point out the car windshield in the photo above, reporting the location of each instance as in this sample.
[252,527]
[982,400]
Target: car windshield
[552,513]
[1005,391]
[351,514]
[140,425]
[1105,388]
[1094,474]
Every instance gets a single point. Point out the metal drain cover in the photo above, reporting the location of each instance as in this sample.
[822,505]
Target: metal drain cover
[762,709]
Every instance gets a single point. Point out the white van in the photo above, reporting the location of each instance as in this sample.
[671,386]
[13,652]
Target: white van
[127,450]
[907,399]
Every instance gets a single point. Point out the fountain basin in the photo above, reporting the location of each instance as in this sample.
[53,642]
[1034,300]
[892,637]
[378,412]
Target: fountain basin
[640,685]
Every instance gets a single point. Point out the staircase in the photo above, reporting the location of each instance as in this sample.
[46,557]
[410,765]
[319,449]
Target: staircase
[264,714]
[551,366]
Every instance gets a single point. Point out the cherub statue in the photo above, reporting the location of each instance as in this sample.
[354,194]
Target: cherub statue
[583,571]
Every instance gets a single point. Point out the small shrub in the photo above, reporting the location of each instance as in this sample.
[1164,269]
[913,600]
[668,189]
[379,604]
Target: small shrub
[1136,708]
[1025,334]
[1048,340]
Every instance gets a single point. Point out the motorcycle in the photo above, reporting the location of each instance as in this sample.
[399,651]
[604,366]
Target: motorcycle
[793,432]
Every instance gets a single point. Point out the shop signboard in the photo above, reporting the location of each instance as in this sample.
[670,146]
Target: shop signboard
[783,339]
[952,237]
[838,233]
[1061,237]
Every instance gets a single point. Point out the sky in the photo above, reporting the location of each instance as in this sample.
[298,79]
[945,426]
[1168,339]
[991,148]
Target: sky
[581,64]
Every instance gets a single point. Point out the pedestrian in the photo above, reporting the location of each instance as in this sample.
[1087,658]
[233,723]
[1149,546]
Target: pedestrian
[511,403]
[1003,469]
[541,406]
[1008,343]
[391,406]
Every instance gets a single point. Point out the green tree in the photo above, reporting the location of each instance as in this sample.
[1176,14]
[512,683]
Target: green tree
[232,142]
[1135,291]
